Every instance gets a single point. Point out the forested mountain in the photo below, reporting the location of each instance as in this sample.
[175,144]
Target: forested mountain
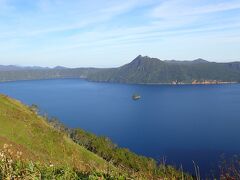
[142,69]
[55,73]
[152,70]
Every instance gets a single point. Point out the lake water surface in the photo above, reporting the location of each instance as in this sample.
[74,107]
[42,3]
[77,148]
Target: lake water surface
[182,123]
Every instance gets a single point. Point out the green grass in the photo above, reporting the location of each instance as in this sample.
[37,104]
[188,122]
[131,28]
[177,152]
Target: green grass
[21,126]
[42,144]
[16,169]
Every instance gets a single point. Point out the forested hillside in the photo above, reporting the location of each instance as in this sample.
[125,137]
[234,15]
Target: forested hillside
[140,70]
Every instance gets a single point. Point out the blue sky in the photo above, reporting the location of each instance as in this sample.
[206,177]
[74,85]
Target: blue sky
[106,33]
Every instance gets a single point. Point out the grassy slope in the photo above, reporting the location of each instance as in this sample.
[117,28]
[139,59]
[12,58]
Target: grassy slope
[30,134]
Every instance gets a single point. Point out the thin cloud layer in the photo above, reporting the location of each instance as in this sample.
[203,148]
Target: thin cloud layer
[39,32]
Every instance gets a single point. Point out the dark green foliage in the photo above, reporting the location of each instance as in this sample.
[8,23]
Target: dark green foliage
[34,74]
[106,149]
[140,70]
[34,108]
[122,158]
[152,70]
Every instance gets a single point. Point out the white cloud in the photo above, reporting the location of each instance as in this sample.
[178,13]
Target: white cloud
[180,8]
[85,26]
[58,15]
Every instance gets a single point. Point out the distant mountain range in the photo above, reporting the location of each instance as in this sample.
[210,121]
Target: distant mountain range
[142,69]
[15,68]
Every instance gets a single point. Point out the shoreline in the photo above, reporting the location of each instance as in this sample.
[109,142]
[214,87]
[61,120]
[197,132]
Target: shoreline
[173,84]
[222,83]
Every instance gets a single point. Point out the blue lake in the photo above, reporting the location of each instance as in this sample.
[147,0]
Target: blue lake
[182,123]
